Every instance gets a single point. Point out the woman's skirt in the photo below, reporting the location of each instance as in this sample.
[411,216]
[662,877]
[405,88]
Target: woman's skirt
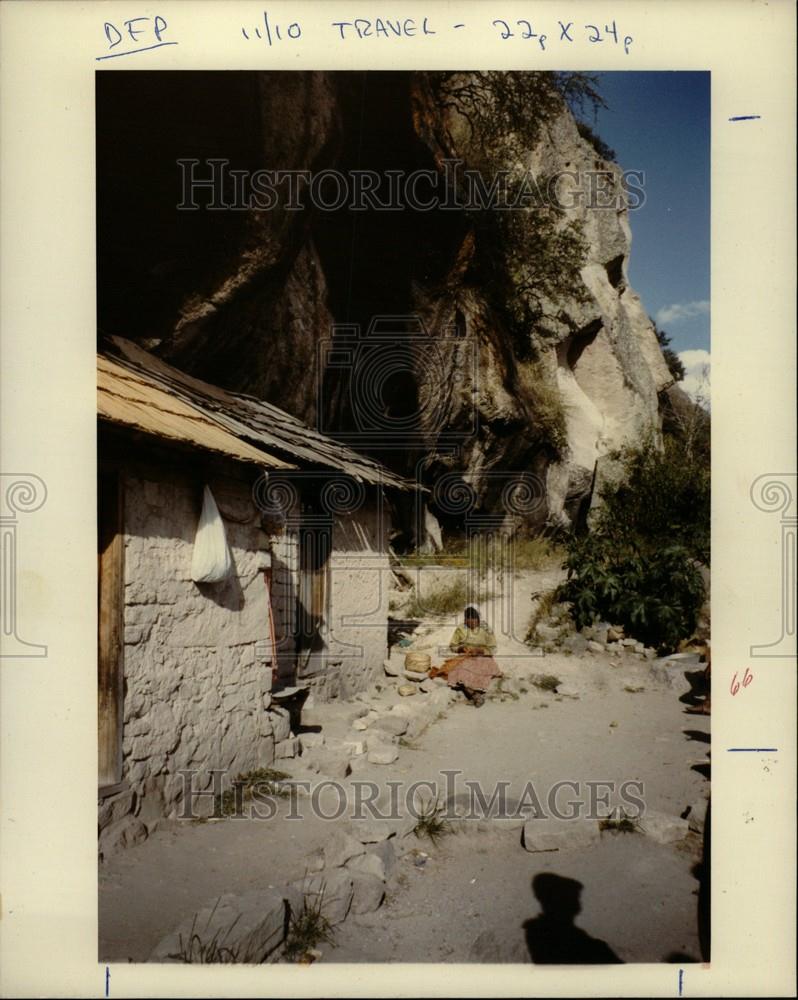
[474,672]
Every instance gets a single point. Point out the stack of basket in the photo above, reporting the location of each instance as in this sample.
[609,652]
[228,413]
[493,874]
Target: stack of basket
[417,665]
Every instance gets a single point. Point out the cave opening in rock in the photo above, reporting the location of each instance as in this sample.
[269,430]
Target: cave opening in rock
[374,258]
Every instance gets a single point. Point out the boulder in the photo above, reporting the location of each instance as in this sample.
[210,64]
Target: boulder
[369,892]
[115,808]
[393,724]
[594,647]
[383,755]
[281,723]
[575,644]
[370,863]
[308,741]
[662,828]
[286,748]
[406,690]
[128,832]
[672,674]
[371,830]
[246,928]
[548,834]
[340,848]
[333,889]
[393,667]
[547,633]
[386,850]
[697,815]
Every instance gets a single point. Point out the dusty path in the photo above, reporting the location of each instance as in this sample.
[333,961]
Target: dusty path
[469,900]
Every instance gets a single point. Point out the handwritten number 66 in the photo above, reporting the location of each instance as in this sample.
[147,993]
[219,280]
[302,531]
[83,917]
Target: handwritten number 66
[735,684]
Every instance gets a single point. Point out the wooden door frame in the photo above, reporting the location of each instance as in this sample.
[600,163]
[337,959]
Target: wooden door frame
[110,626]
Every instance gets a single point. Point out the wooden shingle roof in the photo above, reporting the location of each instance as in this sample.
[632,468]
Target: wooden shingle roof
[140,390]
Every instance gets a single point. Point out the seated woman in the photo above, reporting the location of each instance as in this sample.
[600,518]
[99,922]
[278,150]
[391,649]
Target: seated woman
[474,668]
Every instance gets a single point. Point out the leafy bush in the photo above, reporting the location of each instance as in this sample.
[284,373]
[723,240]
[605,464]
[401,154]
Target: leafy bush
[656,596]
[638,566]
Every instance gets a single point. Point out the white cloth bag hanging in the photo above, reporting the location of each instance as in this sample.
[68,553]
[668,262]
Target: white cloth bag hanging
[212,560]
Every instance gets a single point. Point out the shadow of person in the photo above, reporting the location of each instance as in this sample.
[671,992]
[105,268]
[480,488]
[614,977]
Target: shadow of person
[552,937]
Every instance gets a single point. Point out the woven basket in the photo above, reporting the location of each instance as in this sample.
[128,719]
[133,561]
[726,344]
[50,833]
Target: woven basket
[418,663]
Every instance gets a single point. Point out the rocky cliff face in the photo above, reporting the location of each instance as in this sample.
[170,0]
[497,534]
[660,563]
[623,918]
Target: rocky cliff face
[459,395]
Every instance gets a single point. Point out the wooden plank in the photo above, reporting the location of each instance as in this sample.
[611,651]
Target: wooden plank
[110,617]
[257,421]
[126,397]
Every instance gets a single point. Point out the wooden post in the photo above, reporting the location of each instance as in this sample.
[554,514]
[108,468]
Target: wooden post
[110,616]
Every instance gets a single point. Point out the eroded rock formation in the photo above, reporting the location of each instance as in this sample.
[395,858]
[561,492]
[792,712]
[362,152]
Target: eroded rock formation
[248,299]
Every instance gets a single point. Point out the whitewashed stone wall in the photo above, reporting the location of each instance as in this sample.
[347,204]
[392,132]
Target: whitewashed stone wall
[196,657]
[360,574]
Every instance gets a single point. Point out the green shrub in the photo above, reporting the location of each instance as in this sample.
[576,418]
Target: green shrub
[655,595]
[638,566]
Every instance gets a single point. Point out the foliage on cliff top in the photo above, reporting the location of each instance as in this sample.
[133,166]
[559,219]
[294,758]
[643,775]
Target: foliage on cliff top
[672,359]
[507,110]
[528,258]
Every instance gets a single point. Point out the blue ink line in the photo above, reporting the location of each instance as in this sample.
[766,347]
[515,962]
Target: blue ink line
[107,980]
[744,118]
[132,52]
[681,980]
[752,750]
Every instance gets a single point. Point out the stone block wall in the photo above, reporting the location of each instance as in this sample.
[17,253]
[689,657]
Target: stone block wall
[196,656]
[360,576]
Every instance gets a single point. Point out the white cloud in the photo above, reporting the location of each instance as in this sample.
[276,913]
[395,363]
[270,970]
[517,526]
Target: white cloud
[682,310]
[696,381]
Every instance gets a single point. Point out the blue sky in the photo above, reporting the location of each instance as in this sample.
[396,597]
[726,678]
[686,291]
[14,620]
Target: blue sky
[659,122]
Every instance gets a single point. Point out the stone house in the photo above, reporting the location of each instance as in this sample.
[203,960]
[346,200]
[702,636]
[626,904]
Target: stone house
[191,676]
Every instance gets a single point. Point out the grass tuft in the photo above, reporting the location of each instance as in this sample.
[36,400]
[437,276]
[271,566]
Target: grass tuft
[264,780]
[622,823]
[430,824]
[307,928]
[546,682]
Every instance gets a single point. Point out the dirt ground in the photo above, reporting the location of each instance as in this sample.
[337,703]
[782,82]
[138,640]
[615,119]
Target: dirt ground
[469,898]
